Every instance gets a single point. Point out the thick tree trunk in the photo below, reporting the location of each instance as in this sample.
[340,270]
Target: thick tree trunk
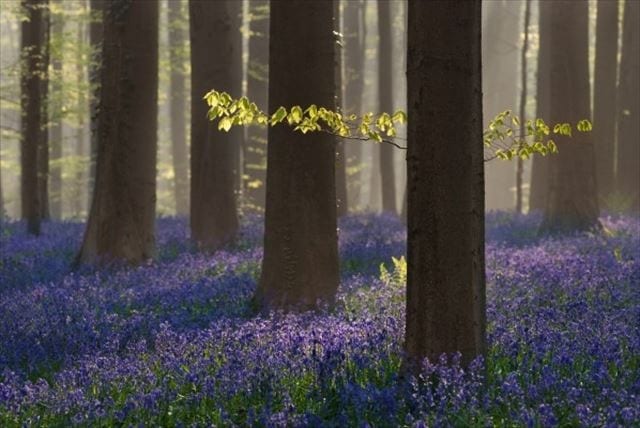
[122,216]
[540,166]
[95,41]
[523,102]
[628,173]
[604,88]
[572,201]
[385,87]
[31,82]
[255,150]
[300,265]
[177,106]
[341,161]
[353,60]
[214,218]
[55,127]
[446,279]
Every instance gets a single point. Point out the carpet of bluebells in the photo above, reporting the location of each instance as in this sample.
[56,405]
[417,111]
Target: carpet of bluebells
[176,342]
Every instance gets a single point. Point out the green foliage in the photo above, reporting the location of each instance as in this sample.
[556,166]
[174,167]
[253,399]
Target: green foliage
[501,139]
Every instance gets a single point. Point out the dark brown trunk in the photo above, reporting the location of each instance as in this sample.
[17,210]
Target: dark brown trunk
[604,93]
[572,201]
[523,101]
[31,82]
[122,216]
[95,41]
[540,166]
[628,172]
[446,279]
[255,150]
[214,29]
[300,265]
[385,85]
[55,126]
[177,106]
[341,161]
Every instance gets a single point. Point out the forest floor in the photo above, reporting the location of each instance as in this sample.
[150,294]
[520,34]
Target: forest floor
[175,343]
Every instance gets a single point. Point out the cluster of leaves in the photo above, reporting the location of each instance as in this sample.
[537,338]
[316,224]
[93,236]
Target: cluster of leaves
[501,140]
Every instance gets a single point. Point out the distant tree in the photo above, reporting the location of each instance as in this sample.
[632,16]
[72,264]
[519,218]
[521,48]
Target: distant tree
[43,142]
[523,102]
[80,153]
[628,174]
[540,166]
[385,92]
[341,155]
[445,247]
[55,115]
[572,199]
[97,8]
[177,105]
[255,149]
[300,264]
[32,81]
[604,96]
[122,216]
[215,47]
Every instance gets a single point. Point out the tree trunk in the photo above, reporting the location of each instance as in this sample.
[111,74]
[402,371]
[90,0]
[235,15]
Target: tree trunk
[79,197]
[341,161]
[95,41]
[523,102]
[31,82]
[385,87]
[300,264]
[214,218]
[43,144]
[604,88]
[628,173]
[540,166]
[446,279]
[56,115]
[572,199]
[122,216]
[177,106]
[255,150]
[353,60]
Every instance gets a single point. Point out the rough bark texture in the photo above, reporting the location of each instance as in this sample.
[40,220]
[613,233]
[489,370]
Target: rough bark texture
[300,264]
[500,55]
[604,88]
[122,216]
[385,92]
[341,161]
[95,41]
[446,279]
[177,106]
[255,150]
[353,60]
[523,101]
[213,26]
[572,199]
[628,172]
[540,165]
[31,101]
[55,126]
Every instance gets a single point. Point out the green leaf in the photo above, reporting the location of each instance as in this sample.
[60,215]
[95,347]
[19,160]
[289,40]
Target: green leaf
[584,126]
[295,116]
[225,124]
[279,115]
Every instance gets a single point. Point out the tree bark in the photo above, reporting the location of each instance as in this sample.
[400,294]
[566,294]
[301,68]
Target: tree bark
[446,277]
[385,92]
[523,102]
[604,88]
[177,106]
[572,199]
[56,115]
[540,166]
[300,264]
[122,216]
[214,218]
[255,150]
[97,8]
[31,83]
[628,173]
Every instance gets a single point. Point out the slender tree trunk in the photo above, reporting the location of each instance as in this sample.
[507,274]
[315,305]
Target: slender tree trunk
[300,264]
[31,107]
[214,26]
[56,114]
[572,201]
[385,87]
[122,216]
[523,102]
[80,132]
[255,150]
[628,172]
[341,161]
[540,166]
[446,277]
[43,144]
[604,88]
[95,41]
[177,106]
